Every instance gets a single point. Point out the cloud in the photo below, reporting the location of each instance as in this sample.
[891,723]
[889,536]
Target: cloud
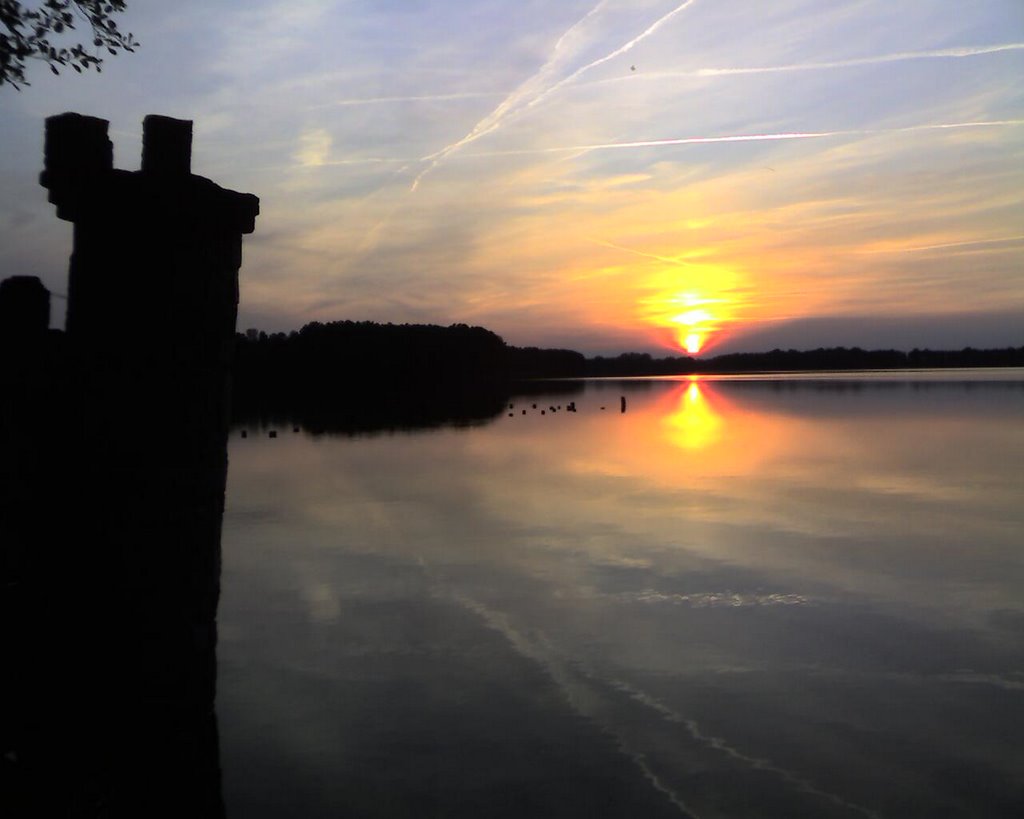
[314,148]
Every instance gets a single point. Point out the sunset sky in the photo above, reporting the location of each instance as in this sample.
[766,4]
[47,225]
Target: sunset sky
[620,175]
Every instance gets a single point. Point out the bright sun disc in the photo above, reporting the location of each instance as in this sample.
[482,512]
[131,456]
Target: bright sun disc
[692,343]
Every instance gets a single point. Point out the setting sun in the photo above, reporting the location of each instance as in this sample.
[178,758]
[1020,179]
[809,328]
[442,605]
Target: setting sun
[693,303]
[693,325]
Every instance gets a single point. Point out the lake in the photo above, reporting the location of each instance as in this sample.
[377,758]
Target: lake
[799,596]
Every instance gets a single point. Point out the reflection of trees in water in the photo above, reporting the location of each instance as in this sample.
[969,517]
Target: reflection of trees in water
[370,409]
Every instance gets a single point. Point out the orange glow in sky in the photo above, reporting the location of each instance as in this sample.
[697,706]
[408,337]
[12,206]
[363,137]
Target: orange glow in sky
[727,194]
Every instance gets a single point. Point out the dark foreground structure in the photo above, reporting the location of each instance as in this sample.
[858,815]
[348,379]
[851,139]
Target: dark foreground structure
[113,462]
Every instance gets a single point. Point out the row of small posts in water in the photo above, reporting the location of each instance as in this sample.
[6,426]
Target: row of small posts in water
[570,407]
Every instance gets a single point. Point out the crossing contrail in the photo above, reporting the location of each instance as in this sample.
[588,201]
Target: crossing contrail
[527,89]
[616,53]
[939,53]
[540,86]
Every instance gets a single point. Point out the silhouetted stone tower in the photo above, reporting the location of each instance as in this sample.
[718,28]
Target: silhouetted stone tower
[113,467]
[154,271]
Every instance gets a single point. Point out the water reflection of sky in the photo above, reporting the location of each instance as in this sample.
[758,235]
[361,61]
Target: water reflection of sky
[759,599]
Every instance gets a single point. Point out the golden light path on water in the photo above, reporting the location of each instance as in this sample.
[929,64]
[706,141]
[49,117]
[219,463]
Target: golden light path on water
[693,423]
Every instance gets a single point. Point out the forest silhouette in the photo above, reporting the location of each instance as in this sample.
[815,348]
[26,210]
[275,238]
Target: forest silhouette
[362,376]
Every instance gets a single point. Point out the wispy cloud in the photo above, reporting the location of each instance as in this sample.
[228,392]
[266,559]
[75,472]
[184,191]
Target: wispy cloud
[314,148]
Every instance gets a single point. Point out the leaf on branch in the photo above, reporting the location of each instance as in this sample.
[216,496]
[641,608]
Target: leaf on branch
[26,33]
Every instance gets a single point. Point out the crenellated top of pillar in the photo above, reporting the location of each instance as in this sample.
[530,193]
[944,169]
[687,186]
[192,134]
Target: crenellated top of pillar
[83,183]
[166,146]
[77,151]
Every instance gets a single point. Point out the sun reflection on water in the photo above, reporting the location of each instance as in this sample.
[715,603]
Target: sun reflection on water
[691,421]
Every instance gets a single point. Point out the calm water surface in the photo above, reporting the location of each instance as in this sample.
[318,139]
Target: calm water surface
[800,597]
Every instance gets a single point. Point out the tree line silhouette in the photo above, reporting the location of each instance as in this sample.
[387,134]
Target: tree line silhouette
[341,364]
[822,359]
[360,376]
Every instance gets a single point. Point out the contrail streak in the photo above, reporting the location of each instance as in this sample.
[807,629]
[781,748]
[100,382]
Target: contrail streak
[661,143]
[702,140]
[957,52]
[983,243]
[653,27]
[528,94]
[877,60]
[463,95]
[666,259]
[525,90]
[365,160]
[940,53]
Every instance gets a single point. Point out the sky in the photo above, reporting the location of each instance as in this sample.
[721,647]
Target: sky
[607,175]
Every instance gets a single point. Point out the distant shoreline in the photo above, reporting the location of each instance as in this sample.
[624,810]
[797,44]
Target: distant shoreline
[797,375]
[834,359]
[363,376]
[474,356]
